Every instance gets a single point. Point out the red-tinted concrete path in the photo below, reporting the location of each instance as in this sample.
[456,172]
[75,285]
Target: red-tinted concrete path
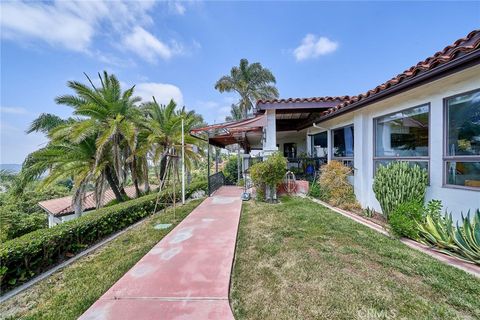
[187,274]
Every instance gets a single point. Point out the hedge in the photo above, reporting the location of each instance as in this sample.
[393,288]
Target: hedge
[24,257]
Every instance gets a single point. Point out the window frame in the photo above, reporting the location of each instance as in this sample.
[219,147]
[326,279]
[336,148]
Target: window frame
[311,137]
[462,158]
[406,159]
[332,154]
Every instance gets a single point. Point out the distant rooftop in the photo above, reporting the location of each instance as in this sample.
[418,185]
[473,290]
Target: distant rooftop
[64,206]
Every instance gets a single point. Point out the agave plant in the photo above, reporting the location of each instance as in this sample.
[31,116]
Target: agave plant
[467,238]
[437,231]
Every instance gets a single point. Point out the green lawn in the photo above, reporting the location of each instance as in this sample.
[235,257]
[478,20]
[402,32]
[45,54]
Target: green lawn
[69,292]
[300,260]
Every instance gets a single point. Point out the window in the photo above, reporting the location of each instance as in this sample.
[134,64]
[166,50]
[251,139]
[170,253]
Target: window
[462,140]
[319,144]
[342,146]
[290,150]
[403,136]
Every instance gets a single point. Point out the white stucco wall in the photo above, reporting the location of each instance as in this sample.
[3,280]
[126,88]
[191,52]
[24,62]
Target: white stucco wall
[454,200]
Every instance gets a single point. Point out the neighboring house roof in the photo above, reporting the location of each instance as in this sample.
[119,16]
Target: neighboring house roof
[64,206]
[462,53]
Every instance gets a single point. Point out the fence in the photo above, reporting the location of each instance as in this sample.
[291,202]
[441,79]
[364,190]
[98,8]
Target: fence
[215,181]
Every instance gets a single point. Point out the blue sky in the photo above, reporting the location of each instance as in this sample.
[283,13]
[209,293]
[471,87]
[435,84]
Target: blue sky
[180,48]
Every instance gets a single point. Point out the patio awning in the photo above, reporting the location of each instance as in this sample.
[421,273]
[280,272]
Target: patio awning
[248,132]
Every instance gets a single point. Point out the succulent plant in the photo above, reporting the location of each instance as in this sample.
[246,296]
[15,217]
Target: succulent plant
[467,238]
[397,183]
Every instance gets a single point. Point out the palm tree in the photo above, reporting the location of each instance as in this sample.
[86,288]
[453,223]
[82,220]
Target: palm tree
[251,81]
[63,159]
[163,128]
[109,115]
[235,113]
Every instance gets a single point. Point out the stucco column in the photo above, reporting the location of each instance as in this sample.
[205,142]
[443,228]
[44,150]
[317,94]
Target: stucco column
[270,132]
[360,157]
[329,145]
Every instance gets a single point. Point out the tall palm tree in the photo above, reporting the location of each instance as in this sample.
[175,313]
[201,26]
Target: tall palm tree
[163,128]
[251,81]
[109,115]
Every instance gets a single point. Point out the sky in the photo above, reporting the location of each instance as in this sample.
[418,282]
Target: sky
[179,49]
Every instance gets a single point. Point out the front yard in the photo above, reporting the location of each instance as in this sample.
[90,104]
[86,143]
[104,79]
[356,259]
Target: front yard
[300,260]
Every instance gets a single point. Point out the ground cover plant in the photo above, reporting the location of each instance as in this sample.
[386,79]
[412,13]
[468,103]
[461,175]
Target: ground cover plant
[300,260]
[69,292]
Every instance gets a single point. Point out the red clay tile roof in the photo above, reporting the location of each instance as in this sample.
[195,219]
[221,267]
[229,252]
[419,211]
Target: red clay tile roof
[300,100]
[459,48]
[63,206]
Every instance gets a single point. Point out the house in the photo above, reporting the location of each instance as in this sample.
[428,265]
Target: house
[61,209]
[427,115]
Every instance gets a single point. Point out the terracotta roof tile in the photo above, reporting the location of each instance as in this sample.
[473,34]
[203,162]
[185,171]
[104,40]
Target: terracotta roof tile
[459,48]
[63,206]
[300,100]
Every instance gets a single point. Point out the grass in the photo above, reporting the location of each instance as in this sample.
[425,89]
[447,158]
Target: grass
[69,292]
[300,260]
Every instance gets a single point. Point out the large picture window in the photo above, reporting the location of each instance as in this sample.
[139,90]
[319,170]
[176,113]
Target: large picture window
[462,140]
[342,145]
[319,144]
[403,136]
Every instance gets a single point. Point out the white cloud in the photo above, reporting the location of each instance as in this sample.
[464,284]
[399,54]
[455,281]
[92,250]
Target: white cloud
[313,46]
[215,111]
[147,46]
[49,23]
[73,25]
[176,7]
[163,92]
[14,110]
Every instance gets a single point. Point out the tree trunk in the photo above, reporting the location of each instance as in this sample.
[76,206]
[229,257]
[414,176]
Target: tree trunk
[133,170]
[163,165]
[145,172]
[112,184]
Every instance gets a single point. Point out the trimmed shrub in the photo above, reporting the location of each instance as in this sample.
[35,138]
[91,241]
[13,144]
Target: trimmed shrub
[267,175]
[334,186]
[231,170]
[404,219]
[24,257]
[397,183]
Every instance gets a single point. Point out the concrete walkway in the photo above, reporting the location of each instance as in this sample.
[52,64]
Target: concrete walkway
[187,274]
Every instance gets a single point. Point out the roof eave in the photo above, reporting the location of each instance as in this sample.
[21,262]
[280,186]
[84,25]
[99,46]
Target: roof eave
[466,61]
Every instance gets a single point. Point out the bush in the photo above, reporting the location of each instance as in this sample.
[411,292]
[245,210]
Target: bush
[314,190]
[397,183]
[334,186]
[231,170]
[267,175]
[403,220]
[24,257]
